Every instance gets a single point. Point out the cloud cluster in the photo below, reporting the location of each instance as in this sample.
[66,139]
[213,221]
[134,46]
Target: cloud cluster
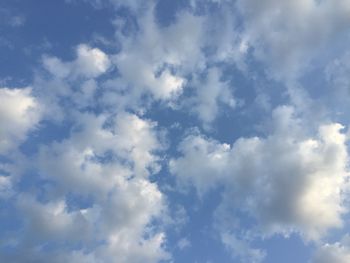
[106,163]
[91,199]
[89,194]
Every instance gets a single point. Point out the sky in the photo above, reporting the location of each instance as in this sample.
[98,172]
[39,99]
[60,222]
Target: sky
[174,131]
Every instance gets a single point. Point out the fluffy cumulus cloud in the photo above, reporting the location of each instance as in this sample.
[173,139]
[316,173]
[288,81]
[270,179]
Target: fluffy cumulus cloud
[19,113]
[126,149]
[288,35]
[203,162]
[164,61]
[287,181]
[89,62]
[74,81]
[210,94]
[109,167]
[114,228]
[157,59]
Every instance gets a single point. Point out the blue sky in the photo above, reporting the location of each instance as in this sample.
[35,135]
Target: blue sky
[202,131]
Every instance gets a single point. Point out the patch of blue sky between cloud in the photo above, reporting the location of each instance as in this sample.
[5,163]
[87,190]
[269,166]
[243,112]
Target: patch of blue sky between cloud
[174,131]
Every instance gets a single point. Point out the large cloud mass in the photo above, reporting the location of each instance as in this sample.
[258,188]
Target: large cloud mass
[286,181]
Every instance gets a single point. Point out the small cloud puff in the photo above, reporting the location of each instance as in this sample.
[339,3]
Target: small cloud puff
[19,113]
[89,63]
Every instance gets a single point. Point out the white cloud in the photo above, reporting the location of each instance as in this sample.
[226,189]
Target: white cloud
[56,67]
[51,222]
[142,77]
[338,252]
[157,58]
[210,93]
[86,95]
[89,63]
[115,227]
[242,250]
[19,113]
[129,141]
[163,60]
[287,181]
[108,160]
[287,35]
[123,219]
[203,163]
[74,82]
[135,6]
[183,243]
[5,187]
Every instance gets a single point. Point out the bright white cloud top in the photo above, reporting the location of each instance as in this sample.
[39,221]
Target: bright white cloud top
[173,131]
[19,113]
